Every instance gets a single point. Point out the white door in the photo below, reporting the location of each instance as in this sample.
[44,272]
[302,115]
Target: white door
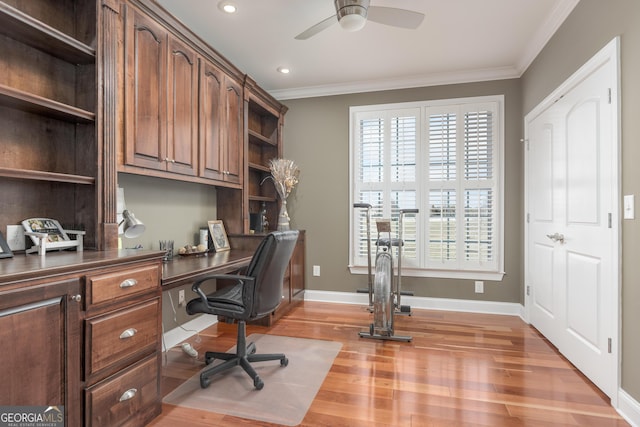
[572,229]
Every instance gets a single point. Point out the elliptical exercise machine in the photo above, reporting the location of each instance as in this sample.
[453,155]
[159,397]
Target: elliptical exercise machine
[384,297]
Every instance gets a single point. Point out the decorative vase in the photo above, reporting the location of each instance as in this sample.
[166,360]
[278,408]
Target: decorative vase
[283,217]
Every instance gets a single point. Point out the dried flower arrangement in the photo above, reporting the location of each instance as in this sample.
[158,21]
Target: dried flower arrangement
[284,174]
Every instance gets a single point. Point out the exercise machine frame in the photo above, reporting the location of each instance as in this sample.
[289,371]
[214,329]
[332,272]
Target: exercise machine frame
[384,297]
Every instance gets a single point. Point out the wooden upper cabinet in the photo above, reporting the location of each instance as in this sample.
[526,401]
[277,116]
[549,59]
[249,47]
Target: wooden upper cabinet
[161,99]
[221,125]
[145,91]
[182,138]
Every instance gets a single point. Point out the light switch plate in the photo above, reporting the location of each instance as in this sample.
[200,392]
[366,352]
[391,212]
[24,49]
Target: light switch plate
[629,206]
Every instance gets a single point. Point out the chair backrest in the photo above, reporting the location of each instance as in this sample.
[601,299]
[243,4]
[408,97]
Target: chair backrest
[268,266]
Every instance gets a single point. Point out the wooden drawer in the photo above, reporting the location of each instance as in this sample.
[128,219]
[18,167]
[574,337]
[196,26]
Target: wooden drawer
[120,335]
[130,398]
[121,284]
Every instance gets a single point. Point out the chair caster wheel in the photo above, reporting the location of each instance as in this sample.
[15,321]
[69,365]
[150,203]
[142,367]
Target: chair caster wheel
[284,362]
[204,382]
[257,383]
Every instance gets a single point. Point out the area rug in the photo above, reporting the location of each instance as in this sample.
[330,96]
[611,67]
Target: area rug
[287,393]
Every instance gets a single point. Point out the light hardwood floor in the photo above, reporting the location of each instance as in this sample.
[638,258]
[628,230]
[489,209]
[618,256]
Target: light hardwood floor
[461,369]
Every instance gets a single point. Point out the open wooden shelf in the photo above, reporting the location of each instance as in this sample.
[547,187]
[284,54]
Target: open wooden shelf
[31,103]
[259,167]
[261,138]
[30,31]
[262,198]
[46,176]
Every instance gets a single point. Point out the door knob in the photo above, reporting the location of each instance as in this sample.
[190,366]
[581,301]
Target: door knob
[556,237]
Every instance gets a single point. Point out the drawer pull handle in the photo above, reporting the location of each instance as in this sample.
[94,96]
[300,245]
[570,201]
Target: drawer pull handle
[128,283]
[129,394]
[128,333]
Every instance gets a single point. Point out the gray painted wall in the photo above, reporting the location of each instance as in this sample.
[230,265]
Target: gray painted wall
[316,136]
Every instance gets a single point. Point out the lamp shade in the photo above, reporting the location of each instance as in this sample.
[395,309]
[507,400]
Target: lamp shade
[133,227]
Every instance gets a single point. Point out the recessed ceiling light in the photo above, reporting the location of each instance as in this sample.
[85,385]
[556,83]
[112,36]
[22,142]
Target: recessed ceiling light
[227,6]
[284,70]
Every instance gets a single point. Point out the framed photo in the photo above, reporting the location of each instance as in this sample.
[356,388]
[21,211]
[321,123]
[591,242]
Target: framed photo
[5,251]
[218,236]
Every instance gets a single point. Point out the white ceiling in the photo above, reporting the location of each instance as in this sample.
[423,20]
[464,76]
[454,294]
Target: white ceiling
[458,41]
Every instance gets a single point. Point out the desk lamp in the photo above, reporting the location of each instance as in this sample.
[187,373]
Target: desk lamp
[133,227]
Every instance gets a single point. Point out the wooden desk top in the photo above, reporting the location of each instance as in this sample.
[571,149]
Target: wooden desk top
[186,269]
[26,267]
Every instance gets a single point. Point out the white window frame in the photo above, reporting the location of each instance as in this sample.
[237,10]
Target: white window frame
[418,267]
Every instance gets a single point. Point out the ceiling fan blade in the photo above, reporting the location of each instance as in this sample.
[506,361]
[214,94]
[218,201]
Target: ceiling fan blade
[395,17]
[315,29]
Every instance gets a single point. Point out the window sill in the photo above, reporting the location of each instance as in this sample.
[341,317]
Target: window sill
[440,274]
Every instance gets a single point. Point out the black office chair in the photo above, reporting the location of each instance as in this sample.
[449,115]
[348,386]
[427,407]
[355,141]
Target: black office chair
[256,294]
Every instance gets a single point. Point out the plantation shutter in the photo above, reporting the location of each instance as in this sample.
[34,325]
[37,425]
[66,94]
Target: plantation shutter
[387,144]
[443,158]
[461,181]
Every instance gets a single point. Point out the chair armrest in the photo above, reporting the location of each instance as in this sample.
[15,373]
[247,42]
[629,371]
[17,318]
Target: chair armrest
[196,285]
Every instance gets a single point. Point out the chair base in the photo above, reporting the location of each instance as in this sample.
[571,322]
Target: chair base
[244,356]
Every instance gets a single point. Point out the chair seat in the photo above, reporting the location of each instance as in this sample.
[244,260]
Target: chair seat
[228,299]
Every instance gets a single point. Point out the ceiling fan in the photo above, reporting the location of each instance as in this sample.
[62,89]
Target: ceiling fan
[353,14]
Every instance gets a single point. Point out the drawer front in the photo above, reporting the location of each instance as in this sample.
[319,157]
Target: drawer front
[117,336]
[119,400]
[121,284]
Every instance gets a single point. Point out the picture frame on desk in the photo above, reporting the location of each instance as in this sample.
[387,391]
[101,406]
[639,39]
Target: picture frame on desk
[218,236]
[5,251]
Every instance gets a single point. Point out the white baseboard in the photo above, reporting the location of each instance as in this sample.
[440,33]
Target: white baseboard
[175,336]
[487,307]
[628,408]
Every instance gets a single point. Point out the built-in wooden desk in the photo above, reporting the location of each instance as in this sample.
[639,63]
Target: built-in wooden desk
[92,320]
[184,270]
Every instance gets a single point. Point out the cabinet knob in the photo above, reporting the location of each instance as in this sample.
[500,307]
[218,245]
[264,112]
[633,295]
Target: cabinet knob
[129,394]
[128,333]
[76,298]
[128,283]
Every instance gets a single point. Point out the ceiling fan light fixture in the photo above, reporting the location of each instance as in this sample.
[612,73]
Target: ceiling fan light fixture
[352,14]
[352,22]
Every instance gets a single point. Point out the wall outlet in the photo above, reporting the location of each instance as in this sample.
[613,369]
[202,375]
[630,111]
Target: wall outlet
[15,237]
[180,297]
[316,270]
[479,287]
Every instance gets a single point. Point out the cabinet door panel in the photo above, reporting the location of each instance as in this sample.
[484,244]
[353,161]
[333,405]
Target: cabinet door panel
[41,329]
[211,81]
[145,125]
[234,131]
[182,148]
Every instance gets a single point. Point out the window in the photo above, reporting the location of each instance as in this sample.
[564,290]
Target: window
[443,158]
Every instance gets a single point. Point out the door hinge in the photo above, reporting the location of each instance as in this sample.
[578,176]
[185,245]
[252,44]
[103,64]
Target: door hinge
[610,221]
[528,290]
[528,217]
[609,345]
[609,95]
